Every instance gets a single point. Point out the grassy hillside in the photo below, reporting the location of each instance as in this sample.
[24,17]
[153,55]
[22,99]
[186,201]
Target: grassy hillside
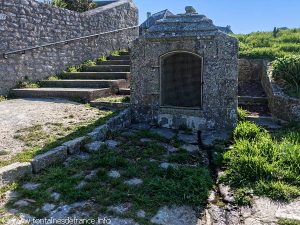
[263,45]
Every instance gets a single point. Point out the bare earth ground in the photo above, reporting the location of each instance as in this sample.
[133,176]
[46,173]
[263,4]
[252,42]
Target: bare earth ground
[20,114]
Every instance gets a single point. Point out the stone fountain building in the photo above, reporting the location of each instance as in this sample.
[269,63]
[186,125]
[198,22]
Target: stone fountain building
[185,74]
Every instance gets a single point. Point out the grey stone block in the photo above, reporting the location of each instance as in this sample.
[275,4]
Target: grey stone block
[74,146]
[54,156]
[14,172]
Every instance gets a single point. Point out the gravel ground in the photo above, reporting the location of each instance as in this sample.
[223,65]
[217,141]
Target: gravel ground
[19,114]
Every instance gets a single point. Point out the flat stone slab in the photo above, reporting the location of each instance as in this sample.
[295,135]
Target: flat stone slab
[133,182]
[190,148]
[188,138]
[209,137]
[31,186]
[52,157]
[140,126]
[164,132]
[14,172]
[114,174]
[19,114]
[183,215]
[112,143]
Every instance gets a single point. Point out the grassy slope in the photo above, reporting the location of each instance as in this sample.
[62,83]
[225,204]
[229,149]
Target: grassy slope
[262,45]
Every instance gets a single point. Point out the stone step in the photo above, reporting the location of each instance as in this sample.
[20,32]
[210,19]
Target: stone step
[86,94]
[107,68]
[121,57]
[124,91]
[114,62]
[124,53]
[250,100]
[97,75]
[122,83]
[268,122]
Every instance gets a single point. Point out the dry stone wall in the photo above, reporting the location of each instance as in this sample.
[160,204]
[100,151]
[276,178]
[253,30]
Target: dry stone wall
[27,23]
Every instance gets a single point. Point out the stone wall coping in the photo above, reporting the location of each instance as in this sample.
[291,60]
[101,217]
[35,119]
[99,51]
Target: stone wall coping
[15,171]
[276,90]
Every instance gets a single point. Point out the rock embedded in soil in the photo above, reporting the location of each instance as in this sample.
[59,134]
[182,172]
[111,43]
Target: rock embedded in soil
[163,132]
[114,174]
[31,186]
[133,182]
[48,207]
[175,215]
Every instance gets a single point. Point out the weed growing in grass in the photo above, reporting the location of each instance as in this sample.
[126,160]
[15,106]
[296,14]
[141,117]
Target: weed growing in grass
[288,222]
[115,53]
[268,165]
[242,114]
[28,84]
[54,77]
[2,98]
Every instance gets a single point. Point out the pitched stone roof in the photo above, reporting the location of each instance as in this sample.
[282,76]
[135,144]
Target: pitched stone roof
[163,14]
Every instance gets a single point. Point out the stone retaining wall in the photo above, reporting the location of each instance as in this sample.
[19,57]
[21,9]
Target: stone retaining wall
[59,154]
[250,69]
[281,106]
[27,23]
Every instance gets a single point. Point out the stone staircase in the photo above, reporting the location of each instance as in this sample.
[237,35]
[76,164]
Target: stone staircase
[253,99]
[111,77]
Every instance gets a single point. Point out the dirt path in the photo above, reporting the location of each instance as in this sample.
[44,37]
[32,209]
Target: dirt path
[20,114]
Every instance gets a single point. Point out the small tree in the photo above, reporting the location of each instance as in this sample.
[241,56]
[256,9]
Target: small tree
[275,32]
[80,5]
[75,5]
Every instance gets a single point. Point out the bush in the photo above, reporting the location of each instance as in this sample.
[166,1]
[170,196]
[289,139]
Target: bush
[267,165]
[247,130]
[75,5]
[269,53]
[288,69]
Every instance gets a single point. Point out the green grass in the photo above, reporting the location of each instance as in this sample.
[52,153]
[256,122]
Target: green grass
[269,165]
[114,99]
[39,139]
[182,186]
[2,98]
[53,77]
[28,84]
[263,45]
[288,222]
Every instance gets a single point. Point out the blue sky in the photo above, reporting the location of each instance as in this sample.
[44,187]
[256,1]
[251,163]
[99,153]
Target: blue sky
[244,16]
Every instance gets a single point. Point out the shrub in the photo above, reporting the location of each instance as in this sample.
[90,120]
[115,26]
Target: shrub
[59,3]
[247,130]
[75,5]
[267,165]
[269,53]
[288,69]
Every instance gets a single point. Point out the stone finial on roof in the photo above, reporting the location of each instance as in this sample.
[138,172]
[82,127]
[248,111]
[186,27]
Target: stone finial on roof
[190,10]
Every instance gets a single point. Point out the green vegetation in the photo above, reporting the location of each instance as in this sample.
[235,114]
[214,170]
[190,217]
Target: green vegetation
[288,70]
[53,77]
[242,114]
[75,5]
[288,222]
[266,45]
[114,99]
[102,59]
[184,185]
[39,139]
[28,84]
[268,165]
[2,98]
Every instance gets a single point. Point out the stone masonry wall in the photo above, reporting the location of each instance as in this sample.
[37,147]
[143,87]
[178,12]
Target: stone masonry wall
[27,23]
[250,69]
[281,106]
[220,75]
